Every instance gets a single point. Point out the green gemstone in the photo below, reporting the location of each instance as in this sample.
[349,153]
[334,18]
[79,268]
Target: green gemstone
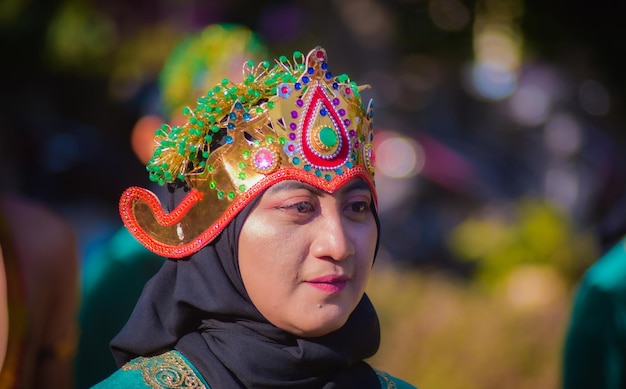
[242,165]
[231,195]
[212,185]
[246,153]
[328,137]
[220,194]
[242,188]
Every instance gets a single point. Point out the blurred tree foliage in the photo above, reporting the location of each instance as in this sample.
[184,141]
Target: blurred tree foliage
[535,232]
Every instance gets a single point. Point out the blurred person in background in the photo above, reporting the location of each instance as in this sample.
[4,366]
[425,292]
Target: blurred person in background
[115,272]
[38,296]
[271,232]
[595,344]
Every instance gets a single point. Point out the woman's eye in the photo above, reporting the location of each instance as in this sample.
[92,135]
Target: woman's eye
[359,206]
[302,207]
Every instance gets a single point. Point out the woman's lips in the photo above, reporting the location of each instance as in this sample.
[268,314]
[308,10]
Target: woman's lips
[329,284]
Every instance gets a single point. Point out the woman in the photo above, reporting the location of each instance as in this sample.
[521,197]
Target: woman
[273,238]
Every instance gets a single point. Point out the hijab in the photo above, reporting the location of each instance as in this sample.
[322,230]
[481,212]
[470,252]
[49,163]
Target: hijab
[199,306]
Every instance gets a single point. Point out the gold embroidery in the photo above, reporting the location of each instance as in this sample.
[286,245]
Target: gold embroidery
[166,371]
[385,379]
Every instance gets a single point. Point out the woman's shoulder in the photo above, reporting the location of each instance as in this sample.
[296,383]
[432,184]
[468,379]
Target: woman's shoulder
[387,381]
[167,370]
[173,370]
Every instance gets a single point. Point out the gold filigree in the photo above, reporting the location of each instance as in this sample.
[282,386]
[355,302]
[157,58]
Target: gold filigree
[166,371]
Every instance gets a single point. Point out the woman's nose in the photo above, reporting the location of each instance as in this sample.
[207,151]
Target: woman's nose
[333,239]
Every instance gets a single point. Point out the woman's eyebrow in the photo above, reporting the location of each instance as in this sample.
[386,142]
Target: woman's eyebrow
[357,184]
[293,185]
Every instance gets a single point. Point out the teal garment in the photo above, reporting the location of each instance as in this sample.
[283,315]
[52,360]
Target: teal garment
[173,370]
[113,277]
[595,343]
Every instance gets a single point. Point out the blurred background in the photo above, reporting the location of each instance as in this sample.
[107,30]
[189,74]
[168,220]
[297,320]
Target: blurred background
[500,149]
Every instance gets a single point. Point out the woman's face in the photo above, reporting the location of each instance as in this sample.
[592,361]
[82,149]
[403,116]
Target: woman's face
[305,255]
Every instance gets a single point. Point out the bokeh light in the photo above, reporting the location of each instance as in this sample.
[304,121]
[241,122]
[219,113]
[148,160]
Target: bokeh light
[594,98]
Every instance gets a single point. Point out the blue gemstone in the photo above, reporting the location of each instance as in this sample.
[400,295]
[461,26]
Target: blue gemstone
[335,85]
[305,79]
[246,116]
[232,116]
[323,112]
[297,85]
[329,75]
[324,65]
[328,177]
[307,168]
[310,70]
[229,139]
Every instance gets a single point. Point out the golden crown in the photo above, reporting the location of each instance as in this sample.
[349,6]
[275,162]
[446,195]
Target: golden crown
[290,121]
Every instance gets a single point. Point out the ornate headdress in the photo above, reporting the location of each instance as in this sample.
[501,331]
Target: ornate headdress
[290,121]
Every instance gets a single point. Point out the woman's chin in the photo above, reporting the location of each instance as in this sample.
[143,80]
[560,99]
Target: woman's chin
[329,319]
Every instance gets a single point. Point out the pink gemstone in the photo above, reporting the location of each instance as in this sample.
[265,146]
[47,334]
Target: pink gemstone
[263,159]
[291,147]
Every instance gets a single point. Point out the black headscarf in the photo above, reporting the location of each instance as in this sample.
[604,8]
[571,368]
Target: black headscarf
[199,306]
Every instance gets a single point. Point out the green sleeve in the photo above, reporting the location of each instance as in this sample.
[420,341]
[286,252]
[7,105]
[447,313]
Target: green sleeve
[595,344]
[123,379]
[387,381]
[168,370]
